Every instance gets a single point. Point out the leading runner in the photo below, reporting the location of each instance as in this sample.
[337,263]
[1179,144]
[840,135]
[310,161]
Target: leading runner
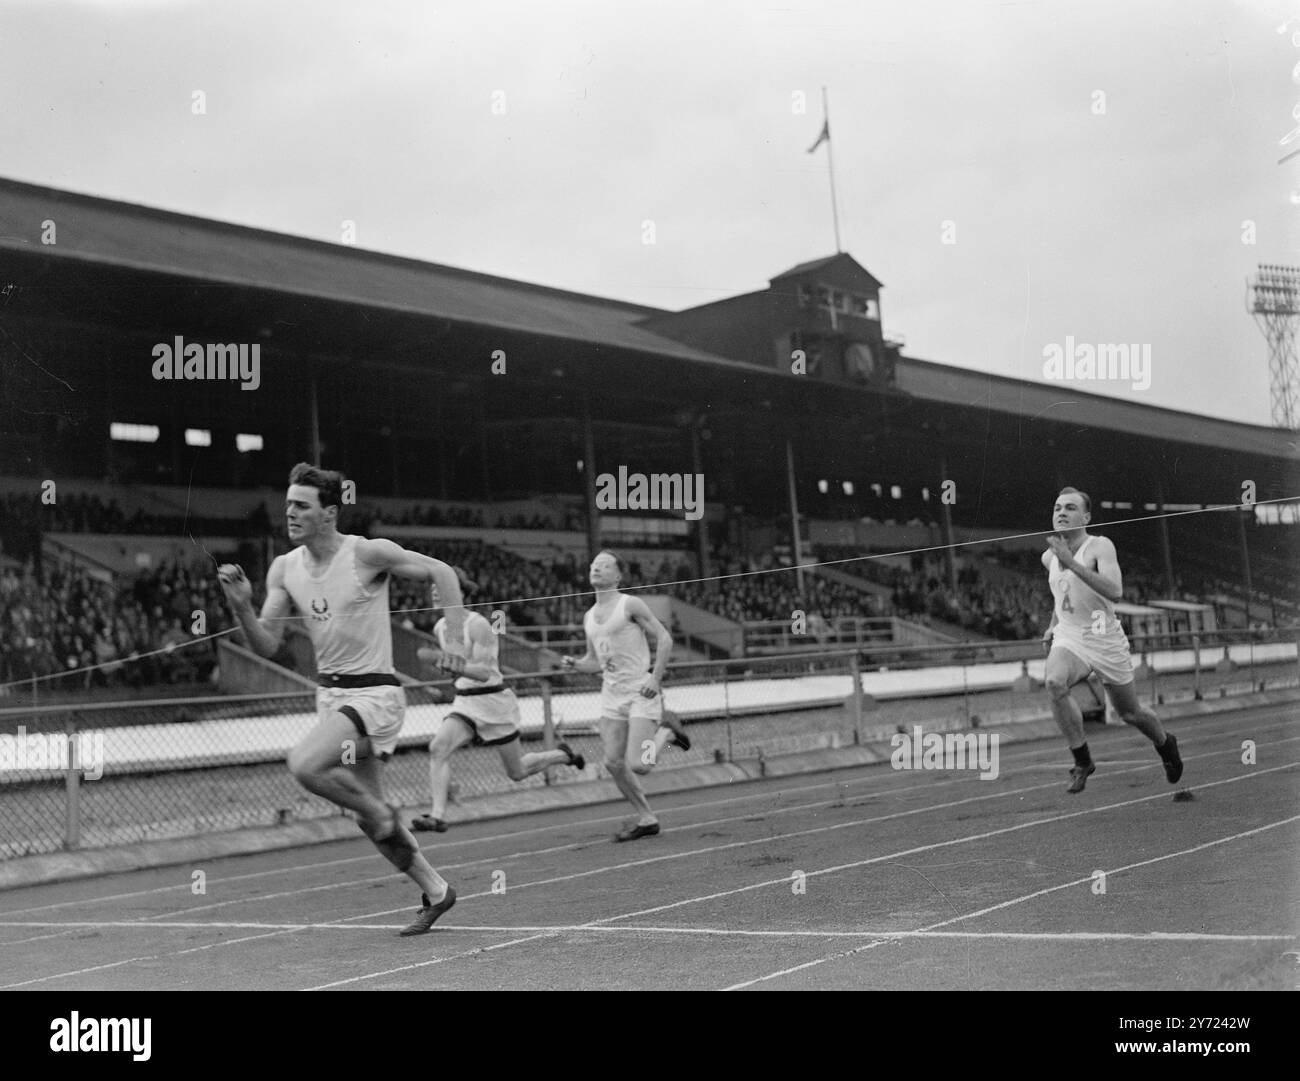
[339,584]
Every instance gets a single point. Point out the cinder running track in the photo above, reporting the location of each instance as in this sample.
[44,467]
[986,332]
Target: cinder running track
[909,880]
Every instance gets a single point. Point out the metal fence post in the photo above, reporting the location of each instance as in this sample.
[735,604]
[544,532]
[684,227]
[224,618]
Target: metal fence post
[964,656]
[855,667]
[72,782]
[1196,671]
[965,689]
[548,724]
[726,706]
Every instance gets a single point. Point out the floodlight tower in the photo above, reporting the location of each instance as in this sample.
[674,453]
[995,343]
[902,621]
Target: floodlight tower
[1276,307]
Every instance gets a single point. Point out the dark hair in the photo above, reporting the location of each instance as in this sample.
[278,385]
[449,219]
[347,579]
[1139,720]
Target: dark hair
[327,482]
[1087,503]
[618,560]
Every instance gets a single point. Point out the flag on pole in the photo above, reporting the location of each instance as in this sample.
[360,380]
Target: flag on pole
[824,137]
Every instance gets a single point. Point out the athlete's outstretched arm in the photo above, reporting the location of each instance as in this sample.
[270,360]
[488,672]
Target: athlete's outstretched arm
[482,649]
[264,634]
[639,613]
[383,554]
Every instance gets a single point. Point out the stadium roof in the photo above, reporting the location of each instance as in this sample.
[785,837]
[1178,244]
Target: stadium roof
[1064,404]
[123,235]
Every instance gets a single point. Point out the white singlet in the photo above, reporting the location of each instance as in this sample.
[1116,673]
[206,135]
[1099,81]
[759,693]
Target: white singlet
[348,623]
[472,652]
[620,647]
[1102,645]
[1077,602]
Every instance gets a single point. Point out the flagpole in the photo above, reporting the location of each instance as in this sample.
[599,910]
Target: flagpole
[830,160]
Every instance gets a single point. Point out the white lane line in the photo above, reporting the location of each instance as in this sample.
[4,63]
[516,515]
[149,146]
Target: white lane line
[785,880]
[1030,751]
[34,938]
[426,964]
[440,845]
[862,863]
[1120,870]
[157,923]
[1028,936]
[150,957]
[1027,897]
[1083,936]
[730,845]
[530,853]
[852,823]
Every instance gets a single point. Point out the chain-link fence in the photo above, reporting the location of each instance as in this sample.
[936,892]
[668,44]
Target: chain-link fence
[89,776]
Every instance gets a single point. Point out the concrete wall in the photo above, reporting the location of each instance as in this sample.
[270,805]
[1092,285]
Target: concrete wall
[244,672]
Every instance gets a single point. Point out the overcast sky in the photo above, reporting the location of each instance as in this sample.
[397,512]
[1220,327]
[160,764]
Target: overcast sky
[1096,159]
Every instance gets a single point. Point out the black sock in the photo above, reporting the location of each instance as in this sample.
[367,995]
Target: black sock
[1081,756]
[1163,749]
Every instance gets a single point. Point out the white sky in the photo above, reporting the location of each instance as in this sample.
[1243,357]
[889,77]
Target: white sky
[1122,227]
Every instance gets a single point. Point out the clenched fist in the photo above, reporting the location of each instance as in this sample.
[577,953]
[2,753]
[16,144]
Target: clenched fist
[235,584]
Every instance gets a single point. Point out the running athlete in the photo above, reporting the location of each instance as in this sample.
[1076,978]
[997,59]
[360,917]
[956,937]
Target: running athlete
[1084,576]
[485,712]
[339,585]
[633,724]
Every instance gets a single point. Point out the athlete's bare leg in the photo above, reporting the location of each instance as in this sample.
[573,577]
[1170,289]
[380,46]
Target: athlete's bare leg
[1062,672]
[323,763]
[614,736]
[451,734]
[519,765]
[399,847]
[1124,696]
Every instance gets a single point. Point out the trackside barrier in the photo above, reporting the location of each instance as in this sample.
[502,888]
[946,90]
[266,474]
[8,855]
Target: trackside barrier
[86,776]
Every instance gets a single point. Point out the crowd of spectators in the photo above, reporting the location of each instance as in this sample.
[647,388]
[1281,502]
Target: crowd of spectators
[500,578]
[24,516]
[1011,611]
[752,590]
[64,621]
[1013,608]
